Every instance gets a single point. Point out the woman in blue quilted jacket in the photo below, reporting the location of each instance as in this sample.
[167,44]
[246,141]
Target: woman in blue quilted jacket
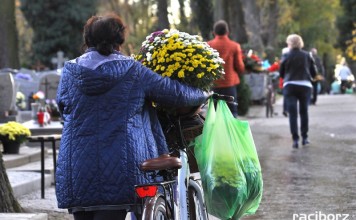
[110,127]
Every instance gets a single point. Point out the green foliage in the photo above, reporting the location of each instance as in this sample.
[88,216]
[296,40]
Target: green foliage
[57,25]
[243,97]
[315,21]
[310,22]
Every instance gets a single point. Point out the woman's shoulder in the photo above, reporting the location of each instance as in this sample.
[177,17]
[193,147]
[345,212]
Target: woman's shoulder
[93,59]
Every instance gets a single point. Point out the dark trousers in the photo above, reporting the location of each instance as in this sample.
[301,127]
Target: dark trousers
[101,215]
[294,94]
[231,91]
[344,85]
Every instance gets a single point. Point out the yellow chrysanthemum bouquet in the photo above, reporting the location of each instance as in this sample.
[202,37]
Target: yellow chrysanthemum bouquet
[181,56]
[14,131]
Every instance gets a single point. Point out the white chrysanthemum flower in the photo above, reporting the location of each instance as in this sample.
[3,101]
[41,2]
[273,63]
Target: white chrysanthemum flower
[149,56]
[174,31]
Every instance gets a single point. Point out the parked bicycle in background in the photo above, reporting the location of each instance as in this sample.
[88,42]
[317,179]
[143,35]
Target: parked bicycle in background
[272,85]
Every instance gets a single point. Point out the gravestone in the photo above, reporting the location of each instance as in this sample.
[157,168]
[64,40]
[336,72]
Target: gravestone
[7,97]
[49,84]
[27,82]
[59,60]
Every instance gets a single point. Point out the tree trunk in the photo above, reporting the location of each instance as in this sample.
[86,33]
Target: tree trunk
[9,40]
[8,201]
[184,24]
[232,13]
[269,28]
[252,14]
[203,16]
[272,26]
[162,15]
[236,21]
[218,10]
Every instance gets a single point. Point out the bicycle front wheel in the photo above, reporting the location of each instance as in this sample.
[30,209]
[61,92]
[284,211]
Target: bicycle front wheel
[197,209]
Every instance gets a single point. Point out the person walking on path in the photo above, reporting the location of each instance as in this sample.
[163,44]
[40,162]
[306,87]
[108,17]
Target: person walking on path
[344,74]
[231,53]
[296,70]
[110,127]
[320,73]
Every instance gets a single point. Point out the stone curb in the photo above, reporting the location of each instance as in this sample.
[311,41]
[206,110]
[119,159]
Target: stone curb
[23,216]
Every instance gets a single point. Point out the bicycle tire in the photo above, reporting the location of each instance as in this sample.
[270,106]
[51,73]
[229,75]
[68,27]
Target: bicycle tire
[155,209]
[197,209]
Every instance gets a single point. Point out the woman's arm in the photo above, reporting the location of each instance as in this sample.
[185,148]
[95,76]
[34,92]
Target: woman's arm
[170,92]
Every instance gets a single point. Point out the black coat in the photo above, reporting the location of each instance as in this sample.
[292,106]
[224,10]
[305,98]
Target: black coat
[297,66]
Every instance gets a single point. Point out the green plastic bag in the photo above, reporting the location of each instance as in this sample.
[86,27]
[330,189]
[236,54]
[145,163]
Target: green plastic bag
[229,166]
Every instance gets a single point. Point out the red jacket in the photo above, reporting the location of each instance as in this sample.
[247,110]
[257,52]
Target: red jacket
[231,53]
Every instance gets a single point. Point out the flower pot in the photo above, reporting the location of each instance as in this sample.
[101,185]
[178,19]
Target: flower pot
[10,146]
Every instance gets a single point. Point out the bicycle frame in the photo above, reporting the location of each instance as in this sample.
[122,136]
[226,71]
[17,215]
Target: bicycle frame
[173,189]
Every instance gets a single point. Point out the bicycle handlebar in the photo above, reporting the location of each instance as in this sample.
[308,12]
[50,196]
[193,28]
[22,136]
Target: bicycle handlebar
[226,98]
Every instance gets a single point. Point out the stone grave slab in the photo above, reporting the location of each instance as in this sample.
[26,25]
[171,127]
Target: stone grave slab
[49,84]
[7,97]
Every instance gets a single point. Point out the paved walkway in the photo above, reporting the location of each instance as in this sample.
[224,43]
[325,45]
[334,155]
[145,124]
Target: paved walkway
[317,180]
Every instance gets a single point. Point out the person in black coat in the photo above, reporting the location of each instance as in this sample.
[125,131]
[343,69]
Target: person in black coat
[320,71]
[296,70]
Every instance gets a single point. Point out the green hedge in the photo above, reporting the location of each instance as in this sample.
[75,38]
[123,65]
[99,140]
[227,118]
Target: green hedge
[243,97]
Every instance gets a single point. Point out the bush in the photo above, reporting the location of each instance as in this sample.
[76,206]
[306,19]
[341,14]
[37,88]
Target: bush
[243,97]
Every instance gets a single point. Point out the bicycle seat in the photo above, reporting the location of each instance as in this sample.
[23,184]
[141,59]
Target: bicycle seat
[163,162]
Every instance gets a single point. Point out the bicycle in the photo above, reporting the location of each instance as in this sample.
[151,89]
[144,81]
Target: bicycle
[180,194]
[271,93]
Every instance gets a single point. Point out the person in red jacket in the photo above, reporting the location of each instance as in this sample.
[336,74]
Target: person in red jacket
[231,53]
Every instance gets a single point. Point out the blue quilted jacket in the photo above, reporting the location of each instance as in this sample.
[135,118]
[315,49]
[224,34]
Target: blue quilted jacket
[110,127]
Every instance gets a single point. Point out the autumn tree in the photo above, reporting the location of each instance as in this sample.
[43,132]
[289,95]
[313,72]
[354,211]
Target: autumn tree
[139,18]
[346,21]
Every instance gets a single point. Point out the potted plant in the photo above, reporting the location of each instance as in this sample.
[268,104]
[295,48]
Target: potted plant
[12,135]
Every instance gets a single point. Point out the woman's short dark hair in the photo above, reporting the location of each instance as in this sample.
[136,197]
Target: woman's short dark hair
[105,33]
[221,27]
